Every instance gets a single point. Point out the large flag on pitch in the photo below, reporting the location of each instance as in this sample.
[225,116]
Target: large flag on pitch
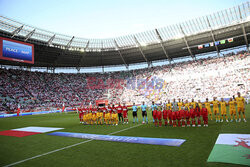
[231,148]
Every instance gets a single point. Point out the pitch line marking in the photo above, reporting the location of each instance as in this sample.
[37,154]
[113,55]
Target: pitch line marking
[73,145]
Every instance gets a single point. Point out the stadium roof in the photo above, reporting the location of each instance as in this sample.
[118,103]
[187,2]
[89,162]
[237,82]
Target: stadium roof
[179,40]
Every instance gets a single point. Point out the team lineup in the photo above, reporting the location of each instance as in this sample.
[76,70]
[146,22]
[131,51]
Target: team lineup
[171,113]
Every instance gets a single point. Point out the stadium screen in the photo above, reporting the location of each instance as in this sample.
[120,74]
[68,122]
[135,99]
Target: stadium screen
[16,51]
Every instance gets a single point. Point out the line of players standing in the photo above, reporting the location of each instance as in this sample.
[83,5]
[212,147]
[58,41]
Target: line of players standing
[107,115]
[174,114]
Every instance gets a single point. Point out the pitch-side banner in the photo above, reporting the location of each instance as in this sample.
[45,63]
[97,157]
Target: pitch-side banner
[231,148]
[126,139]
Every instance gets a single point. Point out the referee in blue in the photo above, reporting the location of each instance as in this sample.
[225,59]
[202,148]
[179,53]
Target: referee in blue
[134,108]
[144,112]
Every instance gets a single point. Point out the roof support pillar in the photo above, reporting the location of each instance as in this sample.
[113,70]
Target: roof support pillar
[163,48]
[29,35]
[140,49]
[189,50]
[16,31]
[118,49]
[212,34]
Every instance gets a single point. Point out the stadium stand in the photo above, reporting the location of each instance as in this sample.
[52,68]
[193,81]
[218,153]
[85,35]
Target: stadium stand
[210,77]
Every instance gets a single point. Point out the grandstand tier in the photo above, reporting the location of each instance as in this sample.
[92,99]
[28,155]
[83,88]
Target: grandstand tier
[204,78]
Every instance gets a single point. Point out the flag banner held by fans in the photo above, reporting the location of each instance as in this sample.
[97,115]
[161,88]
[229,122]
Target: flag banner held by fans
[200,46]
[231,148]
[217,43]
[222,41]
[230,39]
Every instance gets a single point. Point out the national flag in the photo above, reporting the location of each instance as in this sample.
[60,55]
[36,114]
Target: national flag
[206,45]
[231,148]
[230,39]
[222,41]
[217,43]
[211,44]
[200,46]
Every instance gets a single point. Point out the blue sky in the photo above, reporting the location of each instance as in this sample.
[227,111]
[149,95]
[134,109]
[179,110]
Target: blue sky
[107,18]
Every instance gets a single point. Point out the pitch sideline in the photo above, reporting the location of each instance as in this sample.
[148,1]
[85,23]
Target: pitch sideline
[73,145]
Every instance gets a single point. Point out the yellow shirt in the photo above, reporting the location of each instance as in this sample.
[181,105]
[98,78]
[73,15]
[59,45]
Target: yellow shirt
[187,105]
[180,104]
[223,105]
[240,101]
[215,104]
[231,104]
[193,104]
[169,105]
[200,105]
[207,105]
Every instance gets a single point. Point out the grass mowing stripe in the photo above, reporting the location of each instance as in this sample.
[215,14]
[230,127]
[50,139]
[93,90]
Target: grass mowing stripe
[73,145]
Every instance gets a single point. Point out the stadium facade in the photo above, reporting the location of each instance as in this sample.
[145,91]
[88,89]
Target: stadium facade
[211,33]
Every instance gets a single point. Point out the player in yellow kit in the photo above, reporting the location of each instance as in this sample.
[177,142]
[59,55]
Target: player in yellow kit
[193,103]
[232,109]
[216,109]
[200,104]
[169,105]
[187,105]
[241,106]
[208,107]
[89,117]
[99,116]
[223,109]
[180,104]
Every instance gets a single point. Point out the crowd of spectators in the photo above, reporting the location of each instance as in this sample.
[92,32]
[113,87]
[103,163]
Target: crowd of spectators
[198,79]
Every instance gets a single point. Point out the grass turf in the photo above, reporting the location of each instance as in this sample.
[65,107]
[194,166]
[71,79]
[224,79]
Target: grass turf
[194,152]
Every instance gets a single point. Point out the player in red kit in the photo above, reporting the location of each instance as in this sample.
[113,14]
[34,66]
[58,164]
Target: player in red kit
[174,118]
[104,110]
[125,113]
[170,116]
[198,114]
[183,117]
[80,114]
[119,111]
[178,117]
[165,115]
[159,114]
[187,115]
[205,115]
[109,109]
[193,115]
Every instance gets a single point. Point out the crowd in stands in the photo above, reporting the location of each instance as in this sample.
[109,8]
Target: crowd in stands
[198,79]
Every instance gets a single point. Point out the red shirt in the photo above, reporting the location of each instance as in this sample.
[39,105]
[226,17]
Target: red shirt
[165,112]
[192,113]
[110,110]
[204,112]
[119,109]
[104,110]
[80,110]
[114,110]
[169,113]
[125,109]
[182,113]
[187,114]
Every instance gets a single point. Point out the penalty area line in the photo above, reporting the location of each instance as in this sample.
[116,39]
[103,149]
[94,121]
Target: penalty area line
[63,148]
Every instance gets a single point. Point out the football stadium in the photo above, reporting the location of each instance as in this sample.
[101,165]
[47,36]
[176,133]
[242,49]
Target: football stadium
[173,95]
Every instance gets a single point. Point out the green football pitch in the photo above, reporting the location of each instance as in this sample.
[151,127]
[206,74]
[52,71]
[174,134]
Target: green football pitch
[45,150]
